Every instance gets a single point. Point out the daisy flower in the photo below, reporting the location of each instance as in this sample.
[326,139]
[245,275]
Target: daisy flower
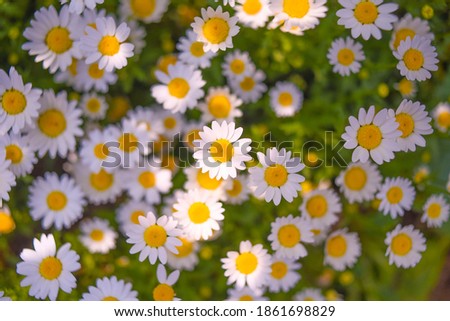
[147,117]
[441,116]
[165,61]
[278,177]
[110,289]
[147,11]
[220,105]
[198,214]
[7,178]
[19,103]
[94,150]
[251,88]
[106,44]
[285,99]
[92,77]
[192,53]
[342,249]
[47,270]
[245,294]
[164,290]
[53,38]
[284,275]
[3,297]
[319,230]
[77,6]
[196,179]
[366,17]
[287,235]
[409,27]
[253,13]
[181,88]
[215,29]
[397,196]
[153,238]
[238,191]
[372,135]
[68,76]
[58,125]
[137,36]
[345,56]
[237,65]
[19,152]
[56,201]
[129,212]
[171,123]
[187,257]
[303,14]
[89,16]
[94,106]
[97,236]
[309,294]
[321,205]
[7,224]
[250,266]
[359,182]
[404,246]
[407,88]
[191,132]
[417,57]
[435,211]
[221,151]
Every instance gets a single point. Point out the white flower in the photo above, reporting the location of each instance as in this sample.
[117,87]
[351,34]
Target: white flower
[251,88]
[93,106]
[303,14]
[220,151]
[128,213]
[407,88]
[397,196]
[372,135]
[172,123]
[237,65]
[278,177]
[441,116]
[215,29]
[19,152]
[345,56]
[147,11]
[253,13]
[405,245]
[309,294]
[110,289]
[48,270]
[237,191]
[409,27]
[187,257]
[284,275]
[220,105]
[342,249]
[435,211]
[321,205]
[94,150]
[366,17]
[7,178]
[192,53]
[285,99]
[164,290]
[77,6]
[196,179]
[92,77]
[97,235]
[245,294]
[151,120]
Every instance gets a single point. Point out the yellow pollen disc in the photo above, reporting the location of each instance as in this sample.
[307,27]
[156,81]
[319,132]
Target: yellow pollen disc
[101,151]
[50,268]
[316,232]
[165,61]
[110,298]
[163,292]
[14,153]
[252,7]
[198,213]
[97,235]
[345,57]
[413,59]
[109,46]
[94,72]
[401,244]
[406,124]
[289,235]
[246,263]
[434,210]
[219,106]
[405,87]
[102,180]
[355,178]
[197,49]
[443,119]
[52,123]
[394,195]
[128,142]
[216,30]
[296,8]
[185,248]
[237,66]
[276,175]
[285,99]
[222,150]
[13,102]
[147,179]
[317,206]
[134,217]
[366,12]
[7,224]
[73,67]
[279,270]
[58,40]
[246,298]
[369,136]
[178,87]
[155,236]
[93,105]
[236,189]
[207,182]
[170,122]
[337,246]
[191,136]
[247,84]
[143,8]
[56,200]
[401,35]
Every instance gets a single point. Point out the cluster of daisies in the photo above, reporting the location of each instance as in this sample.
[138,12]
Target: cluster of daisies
[130,166]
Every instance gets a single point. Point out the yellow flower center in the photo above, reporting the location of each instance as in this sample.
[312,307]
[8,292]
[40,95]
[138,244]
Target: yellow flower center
[134,217]
[14,153]
[369,136]
[207,182]
[219,106]
[13,102]
[285,99]
[406,124]
[73,67]
[401,35]
[109,46]
[443,119]
[246,298]
[401,244]
[289,235]
[185,248]
[147,179]
[405,87]
[170,122]
[155,236]
[394,195]
[191,136]
[337,246]
[102,180]
[221,150]
[50,268]
[279,270]
[252,7]
[434,210]
[142,8]
[216,30]
[52,123]
[345,57]
[355,178]
[58,40]
[128,142]
[296,8]
[94,72]
[56,200]
[110,298]
[101,151]
[198,213]
[93,105]
[276,175]
[247,84]
[237,66]
[97,235]
[236,189]
[7,224]
[317,206]
[163,292]
[165,61]
[178,87]
[197,49]
[246,263]
[366,12]
[413,59]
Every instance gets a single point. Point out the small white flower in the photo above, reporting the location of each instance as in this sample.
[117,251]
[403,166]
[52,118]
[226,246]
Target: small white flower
[110,289]
[220,105]
[164,290]
[404,246]
[284,275]
[250,88]
[237,191]
[192,52]
[187,257]
[345,55]
[441,116]
[128,213]
[196,179]
[253,13]
[407,88]
[321,205]
[19,152]
[144,10]
[309,294]
[285,99]
[301,14]
[94,150]
[435,211]
[342,249]
[97,235]
[397,196]
[237,65]
[93,106]
[92,77]
[409,27]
